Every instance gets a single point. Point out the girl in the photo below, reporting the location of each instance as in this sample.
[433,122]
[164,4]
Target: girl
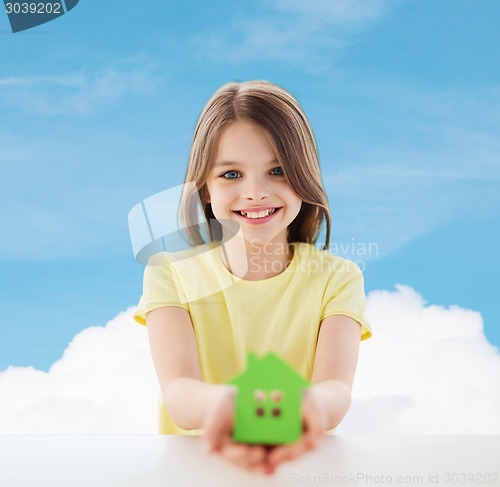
[259,284]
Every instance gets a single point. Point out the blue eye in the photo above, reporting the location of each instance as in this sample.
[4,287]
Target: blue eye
[236,172]
[229,172]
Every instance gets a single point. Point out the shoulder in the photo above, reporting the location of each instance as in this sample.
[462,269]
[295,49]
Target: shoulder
[165,258]
[324,261]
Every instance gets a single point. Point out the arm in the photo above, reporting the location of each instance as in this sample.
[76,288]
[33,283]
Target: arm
[335,365]
[328,399]
[192,403]
[175,358]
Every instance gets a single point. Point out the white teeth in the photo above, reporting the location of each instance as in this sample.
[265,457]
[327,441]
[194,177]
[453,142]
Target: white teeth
[260,214]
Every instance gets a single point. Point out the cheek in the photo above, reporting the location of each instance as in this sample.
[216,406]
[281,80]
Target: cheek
[220,196]
[225,192]
[213,192]
[293,200]
[296,208]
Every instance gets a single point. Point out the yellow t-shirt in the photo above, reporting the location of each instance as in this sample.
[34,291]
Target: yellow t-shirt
[233,316]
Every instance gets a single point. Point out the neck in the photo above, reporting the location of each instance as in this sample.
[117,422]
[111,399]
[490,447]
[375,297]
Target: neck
[255,261]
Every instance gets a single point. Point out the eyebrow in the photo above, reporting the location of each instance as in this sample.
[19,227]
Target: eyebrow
[236,163]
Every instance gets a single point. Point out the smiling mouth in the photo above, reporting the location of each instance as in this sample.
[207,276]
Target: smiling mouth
[268,213]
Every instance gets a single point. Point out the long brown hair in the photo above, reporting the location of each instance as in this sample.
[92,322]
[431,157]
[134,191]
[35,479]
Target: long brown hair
[280,115]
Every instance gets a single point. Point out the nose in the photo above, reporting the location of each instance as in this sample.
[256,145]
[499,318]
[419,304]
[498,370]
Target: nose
[255,189]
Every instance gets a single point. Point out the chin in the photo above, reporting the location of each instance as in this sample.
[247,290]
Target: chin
[263,238]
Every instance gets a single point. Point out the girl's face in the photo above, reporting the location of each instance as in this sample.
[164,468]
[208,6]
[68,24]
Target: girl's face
[247,176]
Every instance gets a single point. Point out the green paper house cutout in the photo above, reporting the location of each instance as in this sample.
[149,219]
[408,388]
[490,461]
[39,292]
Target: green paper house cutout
[268,402]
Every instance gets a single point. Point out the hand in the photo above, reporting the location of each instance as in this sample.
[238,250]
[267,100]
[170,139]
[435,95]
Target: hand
[315,422]
[218,427]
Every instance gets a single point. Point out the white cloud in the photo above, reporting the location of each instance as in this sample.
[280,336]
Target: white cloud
[104,383]
[427,370]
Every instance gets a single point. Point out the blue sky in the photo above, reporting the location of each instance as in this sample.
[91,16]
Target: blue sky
[97,111]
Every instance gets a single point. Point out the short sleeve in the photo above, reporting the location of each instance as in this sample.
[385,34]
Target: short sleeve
[161,287]
[345,295]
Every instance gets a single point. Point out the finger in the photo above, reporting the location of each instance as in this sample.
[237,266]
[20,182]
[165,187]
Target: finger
[253,455]
[285,453]
[256,454]
[213,441]
[277,456]
[213,435]
[233,457]
[216,426]
[249,458]
[262,469]
[313,429]
[258,461]
[234,452]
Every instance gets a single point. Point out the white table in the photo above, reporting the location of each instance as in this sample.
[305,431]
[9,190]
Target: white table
[160,460]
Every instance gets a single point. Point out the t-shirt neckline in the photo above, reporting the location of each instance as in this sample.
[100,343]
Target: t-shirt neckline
[246,282]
